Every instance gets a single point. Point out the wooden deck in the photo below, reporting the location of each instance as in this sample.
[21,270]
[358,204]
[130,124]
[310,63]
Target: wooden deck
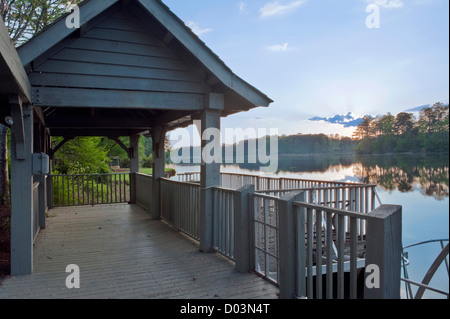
[124,254]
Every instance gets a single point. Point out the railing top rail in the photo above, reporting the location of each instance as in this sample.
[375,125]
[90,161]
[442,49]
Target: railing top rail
[228,190]
[178,182]
[100,174]
[288,178]
[333,210]
[145,175]
[315,188]
[266,196]
[279,178]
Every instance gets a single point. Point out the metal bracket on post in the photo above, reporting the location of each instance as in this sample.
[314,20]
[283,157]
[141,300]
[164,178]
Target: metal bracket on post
[17,127]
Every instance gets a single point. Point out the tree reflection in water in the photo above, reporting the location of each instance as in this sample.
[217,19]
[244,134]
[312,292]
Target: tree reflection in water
[428,174]
[405,172]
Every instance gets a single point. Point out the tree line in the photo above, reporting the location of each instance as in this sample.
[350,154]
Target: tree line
[428,133]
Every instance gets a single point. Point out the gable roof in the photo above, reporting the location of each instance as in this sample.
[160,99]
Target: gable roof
[239,95]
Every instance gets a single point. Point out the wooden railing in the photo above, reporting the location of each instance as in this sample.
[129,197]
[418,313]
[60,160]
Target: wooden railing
[303,247]
[180,206]
[329,241]
[224,220]
[144,190]
[313,242]
[265,183]
[189,177]
[90,189]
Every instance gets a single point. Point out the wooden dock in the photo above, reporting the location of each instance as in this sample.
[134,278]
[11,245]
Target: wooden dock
[124,254]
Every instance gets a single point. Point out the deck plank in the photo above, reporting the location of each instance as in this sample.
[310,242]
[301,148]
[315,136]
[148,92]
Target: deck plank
[124,254]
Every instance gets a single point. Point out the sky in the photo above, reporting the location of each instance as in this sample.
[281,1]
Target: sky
[320,58]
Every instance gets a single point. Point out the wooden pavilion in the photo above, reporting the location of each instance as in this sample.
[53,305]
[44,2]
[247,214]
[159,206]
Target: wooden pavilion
[132,68]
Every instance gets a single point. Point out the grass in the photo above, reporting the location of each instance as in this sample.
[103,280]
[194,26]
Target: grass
[149,171]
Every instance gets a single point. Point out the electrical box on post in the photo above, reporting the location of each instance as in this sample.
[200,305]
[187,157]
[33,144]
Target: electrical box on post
[41,164]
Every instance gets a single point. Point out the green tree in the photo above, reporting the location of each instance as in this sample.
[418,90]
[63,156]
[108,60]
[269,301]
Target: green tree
[434,128]
[364,129]
[82,155]
[404,122]
[385,124]
[26,18]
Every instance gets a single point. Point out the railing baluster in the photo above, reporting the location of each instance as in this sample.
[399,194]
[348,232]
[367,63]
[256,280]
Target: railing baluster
[309,257]
[353,258]
[329,256]
[341,256]
[318,254]
[115,188]
[78,189]
[101,186]
[301,249]
[73,190]
[59,197]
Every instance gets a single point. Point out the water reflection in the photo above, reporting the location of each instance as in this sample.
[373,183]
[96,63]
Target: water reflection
[405,173]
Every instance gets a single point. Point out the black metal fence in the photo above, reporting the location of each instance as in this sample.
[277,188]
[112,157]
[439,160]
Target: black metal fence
[90,189]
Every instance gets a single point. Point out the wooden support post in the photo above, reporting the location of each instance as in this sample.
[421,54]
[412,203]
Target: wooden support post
[159,160]
[384,251]
[22,192]
[134,166]
[242,229]
[287,244]
[50,177]
[210,169]
[39,147]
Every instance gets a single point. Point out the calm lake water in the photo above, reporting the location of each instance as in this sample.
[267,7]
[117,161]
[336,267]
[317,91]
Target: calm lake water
[417,182]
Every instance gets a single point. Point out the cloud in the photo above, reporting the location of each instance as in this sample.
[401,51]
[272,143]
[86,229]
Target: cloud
[277,9]
[388,4]
[243,8]
[279,47]
[197,29]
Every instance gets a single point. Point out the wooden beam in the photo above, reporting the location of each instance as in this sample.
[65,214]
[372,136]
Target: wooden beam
[65,97]
[167,118]
[171,116]
[110,133]
[123,146]
[117,83]
[61,144]
[14,79]
[100,122]
[59,31]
